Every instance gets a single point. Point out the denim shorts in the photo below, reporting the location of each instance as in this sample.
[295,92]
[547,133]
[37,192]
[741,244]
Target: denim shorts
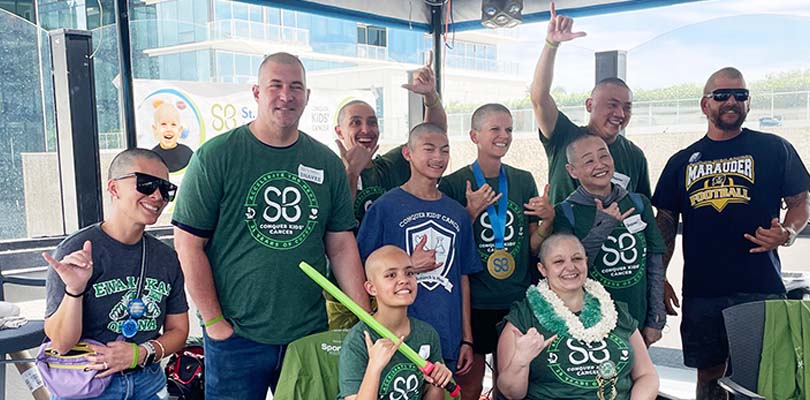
[703,333]
[238,368]
[145,384]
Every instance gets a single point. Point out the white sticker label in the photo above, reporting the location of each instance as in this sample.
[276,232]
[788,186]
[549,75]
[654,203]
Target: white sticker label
[634,224]
[424,351]
[32,379]
[310,174]
[620,179]
[359,183]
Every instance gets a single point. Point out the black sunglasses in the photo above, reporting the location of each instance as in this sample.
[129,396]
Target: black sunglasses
[147,184]
[722,95]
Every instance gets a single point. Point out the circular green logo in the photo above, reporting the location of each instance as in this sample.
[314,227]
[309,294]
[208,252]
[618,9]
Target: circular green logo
[577,363]
[622,259]
[281,210]
[513,236]
[364,199]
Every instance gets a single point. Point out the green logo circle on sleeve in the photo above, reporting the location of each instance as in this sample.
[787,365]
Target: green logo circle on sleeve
[281,210]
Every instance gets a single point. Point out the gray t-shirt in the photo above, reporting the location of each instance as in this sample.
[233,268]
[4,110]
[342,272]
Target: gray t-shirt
[116,271]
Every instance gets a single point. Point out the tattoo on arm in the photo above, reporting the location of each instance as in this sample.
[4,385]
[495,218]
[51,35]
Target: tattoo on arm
[798,200]
[668,224]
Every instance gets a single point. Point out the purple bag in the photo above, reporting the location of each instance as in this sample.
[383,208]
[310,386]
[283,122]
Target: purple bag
[65,375]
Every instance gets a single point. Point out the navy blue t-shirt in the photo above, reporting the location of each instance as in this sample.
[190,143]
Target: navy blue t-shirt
[724,189]
[401,219]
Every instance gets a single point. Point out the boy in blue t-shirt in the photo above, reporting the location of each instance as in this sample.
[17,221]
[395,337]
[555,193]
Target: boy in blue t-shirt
[437,233]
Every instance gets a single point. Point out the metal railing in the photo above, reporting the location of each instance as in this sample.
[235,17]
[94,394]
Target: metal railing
[241,29]
[373,52]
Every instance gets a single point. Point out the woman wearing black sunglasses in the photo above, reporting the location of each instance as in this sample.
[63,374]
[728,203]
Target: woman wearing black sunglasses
[112,283]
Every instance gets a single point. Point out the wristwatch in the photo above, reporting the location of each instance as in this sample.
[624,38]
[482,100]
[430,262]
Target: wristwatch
[792,235]
[150,354]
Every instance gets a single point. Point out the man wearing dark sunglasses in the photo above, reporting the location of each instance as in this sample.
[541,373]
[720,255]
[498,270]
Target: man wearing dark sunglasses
[113,283]
[610,107]
[728,187]
[255,202]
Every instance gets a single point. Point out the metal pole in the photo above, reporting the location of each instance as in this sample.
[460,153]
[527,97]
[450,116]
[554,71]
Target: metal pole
[125,64]
[436,23]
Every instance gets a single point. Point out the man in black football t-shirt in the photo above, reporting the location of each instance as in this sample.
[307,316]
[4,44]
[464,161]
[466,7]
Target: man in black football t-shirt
[729,187]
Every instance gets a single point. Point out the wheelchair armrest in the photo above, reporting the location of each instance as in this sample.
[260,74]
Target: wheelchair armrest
[737,389]
[16,280]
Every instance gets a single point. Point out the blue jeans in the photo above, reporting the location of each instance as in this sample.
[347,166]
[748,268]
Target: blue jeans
[240,369]
[146,384]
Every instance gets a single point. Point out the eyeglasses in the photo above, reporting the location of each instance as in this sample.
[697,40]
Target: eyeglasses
[722,95]
[147,184]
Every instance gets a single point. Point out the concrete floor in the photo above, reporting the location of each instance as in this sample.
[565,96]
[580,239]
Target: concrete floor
[665,353]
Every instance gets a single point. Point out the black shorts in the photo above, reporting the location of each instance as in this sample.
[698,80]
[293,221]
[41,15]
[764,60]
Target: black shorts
[703,333]
[484,329]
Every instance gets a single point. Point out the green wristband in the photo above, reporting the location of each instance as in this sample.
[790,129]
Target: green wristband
[134,356]
[216,319]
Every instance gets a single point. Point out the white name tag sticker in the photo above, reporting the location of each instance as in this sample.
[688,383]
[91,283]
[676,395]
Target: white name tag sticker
[424,351]
[620,179]
[310,174]
[634,224]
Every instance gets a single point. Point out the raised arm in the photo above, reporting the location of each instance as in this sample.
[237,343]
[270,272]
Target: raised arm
[200,281]
[424,83]
[64,326]
[545,109]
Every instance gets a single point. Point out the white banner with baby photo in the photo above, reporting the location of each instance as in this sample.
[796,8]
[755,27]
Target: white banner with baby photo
[174,118]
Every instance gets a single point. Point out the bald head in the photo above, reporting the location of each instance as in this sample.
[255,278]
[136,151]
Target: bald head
[553,241]
[386,256]
[283,59]
[571,153]
[729,73]
[618,82]
[347,106]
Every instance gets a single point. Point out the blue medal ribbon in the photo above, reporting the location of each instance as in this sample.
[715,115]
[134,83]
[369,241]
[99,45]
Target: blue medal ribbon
[497,218]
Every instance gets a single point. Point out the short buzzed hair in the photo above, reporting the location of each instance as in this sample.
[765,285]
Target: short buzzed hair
[569,150]
[342,110]
[123,161]
[424,127]
[611,81]
[727,72]
[481,113]
[552,241]
[283,58]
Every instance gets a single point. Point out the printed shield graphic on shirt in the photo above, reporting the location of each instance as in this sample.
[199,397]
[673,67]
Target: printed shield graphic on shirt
[281,210]
[443,241]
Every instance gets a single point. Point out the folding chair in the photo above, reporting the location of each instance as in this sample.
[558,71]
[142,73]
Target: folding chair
[745,324]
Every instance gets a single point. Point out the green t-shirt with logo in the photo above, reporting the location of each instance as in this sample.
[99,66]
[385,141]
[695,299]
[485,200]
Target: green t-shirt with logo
[621,264]
[567,368]
[387,171]
[400,379]
[264,210]
[498,287]
[310,369]
[628,159]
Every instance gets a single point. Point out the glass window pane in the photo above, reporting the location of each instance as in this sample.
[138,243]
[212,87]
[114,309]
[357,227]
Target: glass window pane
[222,9]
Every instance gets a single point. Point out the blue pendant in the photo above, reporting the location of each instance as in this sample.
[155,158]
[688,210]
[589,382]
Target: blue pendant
[129,328]
[136,308]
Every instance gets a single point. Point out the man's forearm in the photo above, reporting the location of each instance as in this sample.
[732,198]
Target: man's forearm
[667,222]
[798,211]
[346,265]
[199,279]
[656,312]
